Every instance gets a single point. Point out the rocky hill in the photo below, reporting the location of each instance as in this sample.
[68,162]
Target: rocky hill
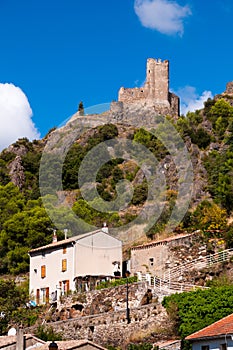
[154,175]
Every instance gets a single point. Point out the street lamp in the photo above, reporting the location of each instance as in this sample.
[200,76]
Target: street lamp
[127,273]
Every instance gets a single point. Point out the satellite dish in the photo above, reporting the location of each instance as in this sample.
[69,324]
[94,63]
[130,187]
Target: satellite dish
[12,331]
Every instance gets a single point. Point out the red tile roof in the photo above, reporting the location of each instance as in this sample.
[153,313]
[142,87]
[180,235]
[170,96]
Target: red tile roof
[217,329]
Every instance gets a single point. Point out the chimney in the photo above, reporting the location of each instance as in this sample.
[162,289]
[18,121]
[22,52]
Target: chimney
[54,236]
[105,227]
[65,233]
[20,339]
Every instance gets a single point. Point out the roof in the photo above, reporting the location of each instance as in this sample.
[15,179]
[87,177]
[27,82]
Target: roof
[162,344]
[69,240]
[72,344]
[162,242]
[6,340]
[217,329]
[42,345]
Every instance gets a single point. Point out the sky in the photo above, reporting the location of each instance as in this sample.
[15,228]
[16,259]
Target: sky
[54,54]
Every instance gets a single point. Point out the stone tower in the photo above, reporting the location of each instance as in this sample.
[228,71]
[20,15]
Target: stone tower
[157,80]
[155,92]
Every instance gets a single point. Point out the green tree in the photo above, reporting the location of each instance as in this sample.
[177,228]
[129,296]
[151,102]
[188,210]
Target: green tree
[81,108]
[12,298]
[47,333]
[195,310]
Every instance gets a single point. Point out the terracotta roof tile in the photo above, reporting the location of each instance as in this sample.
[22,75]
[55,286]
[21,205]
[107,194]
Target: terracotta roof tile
[11,339]
[62,345]
[72,344]
[219,328]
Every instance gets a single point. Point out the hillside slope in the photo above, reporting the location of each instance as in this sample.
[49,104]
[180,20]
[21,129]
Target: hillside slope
[137,200]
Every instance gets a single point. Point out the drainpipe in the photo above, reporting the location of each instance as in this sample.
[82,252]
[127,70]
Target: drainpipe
[74,256]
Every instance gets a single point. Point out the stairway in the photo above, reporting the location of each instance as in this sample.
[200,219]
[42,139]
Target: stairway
[171,281]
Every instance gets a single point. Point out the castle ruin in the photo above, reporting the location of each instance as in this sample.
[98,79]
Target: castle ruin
[155,92]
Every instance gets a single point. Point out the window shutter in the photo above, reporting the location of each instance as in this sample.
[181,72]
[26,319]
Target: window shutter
[47,295]
[43,271]
[67,286]
[64,265]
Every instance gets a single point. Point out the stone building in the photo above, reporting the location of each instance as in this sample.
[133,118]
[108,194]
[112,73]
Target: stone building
[155,92]
[157,257]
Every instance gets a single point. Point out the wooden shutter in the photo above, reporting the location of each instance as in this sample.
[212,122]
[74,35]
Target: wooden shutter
[43,271]
[64,265]
[47,295]
[38,296]
[67,287]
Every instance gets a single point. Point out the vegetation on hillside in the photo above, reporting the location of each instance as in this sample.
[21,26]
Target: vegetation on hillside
[25,224]
[195,310]
[13,309]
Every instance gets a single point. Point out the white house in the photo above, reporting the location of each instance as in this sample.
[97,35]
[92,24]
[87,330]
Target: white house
[56,267]
[217,336]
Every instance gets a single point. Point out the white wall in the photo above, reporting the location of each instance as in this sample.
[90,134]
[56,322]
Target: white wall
[214,344]
[52,259]
[95,255]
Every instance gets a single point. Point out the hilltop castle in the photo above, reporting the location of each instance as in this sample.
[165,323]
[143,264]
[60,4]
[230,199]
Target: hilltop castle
[155,92]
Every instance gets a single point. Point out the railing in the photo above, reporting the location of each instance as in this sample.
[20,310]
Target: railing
[170,283]
[168,287]
[198,264]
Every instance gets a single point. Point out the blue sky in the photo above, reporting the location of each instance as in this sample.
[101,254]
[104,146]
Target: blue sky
[55,53]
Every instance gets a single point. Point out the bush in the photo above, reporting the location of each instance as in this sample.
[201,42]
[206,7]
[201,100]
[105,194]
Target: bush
[47,333]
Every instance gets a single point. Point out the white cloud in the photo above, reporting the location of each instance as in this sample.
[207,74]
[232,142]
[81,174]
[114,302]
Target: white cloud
[190,100]
[15,116]
[165,16]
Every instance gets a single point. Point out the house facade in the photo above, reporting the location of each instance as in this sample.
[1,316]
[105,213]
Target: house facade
[157,257]
[55,267]
[217,336]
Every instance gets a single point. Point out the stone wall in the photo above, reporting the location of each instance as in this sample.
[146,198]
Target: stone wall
[229,88]
[103,318]
[112,328]
[160,256]
[155,91]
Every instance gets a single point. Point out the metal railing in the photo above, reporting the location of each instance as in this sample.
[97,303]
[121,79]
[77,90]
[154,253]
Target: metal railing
[170,283]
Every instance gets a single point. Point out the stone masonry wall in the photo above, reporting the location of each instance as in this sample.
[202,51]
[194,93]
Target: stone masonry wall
[103,316]
[160,256]
[112,328]
[155,92]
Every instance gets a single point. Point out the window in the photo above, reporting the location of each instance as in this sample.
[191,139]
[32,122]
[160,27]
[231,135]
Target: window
[64,265]
[205,347]
[43,271]
[64,249]
[151,260]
